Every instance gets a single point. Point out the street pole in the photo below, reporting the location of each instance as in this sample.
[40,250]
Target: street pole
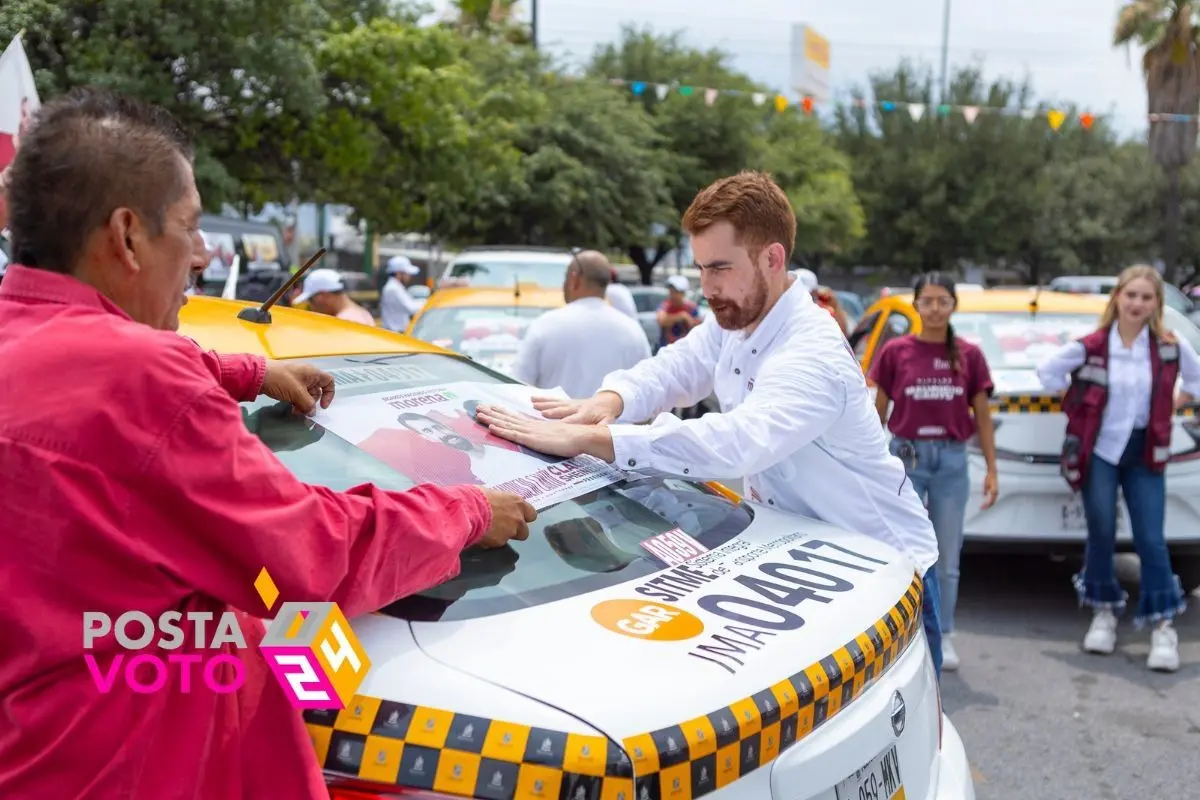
[533,23]
[945,45]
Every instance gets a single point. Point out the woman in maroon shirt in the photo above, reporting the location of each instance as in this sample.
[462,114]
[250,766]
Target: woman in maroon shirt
[934,381]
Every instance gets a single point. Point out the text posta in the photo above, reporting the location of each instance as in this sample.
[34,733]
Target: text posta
[146,672]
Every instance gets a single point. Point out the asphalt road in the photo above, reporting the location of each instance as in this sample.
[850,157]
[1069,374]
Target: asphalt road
[1041,718]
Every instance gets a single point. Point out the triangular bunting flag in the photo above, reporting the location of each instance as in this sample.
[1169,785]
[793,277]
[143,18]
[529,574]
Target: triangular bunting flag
[888,105]
[661,90]
[638,87]
[781,102]
[1086,120]
[710,96]
[916,111]
[1056,118]
[1028,113]
[970,114]
[759,98]
[807,104]
[686,91]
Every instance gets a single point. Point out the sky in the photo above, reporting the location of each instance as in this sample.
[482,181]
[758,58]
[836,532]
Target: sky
[1063,46]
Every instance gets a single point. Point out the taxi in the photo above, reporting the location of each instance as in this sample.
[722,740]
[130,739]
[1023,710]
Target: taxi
[1036,511]
[653,638]
[485,324]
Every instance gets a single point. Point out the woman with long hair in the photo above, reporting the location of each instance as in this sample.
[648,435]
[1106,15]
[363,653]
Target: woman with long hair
[1121,392]
[939,388]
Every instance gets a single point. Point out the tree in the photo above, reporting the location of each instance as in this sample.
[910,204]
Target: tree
[1168,31]
[409,134]
[939,189]
[1096,213]
[817,179]
[589,174]
[239,74]
[703,142]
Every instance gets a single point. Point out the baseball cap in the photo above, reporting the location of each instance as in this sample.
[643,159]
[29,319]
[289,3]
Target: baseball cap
[678,283]
[401,264]
[808,279]
[320,280]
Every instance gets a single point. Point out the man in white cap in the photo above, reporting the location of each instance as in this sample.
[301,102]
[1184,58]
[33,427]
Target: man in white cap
[325,291]
[396,306]
[677,315]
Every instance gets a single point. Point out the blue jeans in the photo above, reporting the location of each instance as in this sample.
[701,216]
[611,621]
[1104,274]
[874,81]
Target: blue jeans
[938,471]
[930,619]
[1145,492]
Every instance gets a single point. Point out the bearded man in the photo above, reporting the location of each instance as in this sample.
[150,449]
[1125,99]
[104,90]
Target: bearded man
[797,420]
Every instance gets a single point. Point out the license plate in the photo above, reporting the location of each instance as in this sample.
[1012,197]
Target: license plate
[1074,518]
[878,780]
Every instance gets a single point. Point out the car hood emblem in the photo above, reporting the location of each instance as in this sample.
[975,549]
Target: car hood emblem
[898,713]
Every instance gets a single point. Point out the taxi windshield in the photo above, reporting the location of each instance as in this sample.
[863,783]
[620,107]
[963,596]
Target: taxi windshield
[484,273]
[593,533]
[470,329]
[1021,340]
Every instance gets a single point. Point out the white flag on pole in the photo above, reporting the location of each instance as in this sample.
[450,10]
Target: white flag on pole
[18,102]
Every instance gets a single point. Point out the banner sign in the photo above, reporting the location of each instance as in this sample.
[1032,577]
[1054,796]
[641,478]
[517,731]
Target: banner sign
[430,435]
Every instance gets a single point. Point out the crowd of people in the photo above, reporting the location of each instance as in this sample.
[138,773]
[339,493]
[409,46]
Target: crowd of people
[135,469]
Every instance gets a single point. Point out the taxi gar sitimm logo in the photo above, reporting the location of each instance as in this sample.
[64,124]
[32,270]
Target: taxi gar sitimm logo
[314,654]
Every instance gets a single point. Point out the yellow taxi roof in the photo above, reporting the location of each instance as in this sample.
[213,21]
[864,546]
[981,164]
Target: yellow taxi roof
[291,333]
[1018,299]
[529,296]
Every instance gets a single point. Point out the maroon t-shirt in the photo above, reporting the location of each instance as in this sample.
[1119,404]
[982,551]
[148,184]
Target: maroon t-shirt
[929,401]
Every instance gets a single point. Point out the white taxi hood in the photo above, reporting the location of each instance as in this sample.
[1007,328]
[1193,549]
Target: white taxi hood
[714,640]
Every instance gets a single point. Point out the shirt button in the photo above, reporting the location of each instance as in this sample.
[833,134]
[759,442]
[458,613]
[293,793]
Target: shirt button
[753,352]
[686,471]
[632,463]
[770,502]
[737,372]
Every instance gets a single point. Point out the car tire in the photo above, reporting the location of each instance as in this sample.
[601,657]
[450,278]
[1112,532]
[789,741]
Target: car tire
[1188,570]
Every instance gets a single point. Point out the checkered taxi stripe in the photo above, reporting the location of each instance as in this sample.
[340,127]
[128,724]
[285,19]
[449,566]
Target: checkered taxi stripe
[389,743]
[1052,404]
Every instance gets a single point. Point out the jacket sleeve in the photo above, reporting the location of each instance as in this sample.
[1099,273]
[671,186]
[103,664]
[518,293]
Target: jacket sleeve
[798,396]
[680,375]
[240,375]
[216,506]
[1055,371]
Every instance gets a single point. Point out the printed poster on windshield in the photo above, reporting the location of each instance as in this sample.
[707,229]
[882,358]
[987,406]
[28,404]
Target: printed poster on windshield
[430,435]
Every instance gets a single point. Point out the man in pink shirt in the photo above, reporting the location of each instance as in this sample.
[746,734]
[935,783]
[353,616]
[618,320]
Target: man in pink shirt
[132,484]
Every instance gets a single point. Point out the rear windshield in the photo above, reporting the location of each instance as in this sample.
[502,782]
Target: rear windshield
[646,301]
[508,273]
[490,335]
[1020,340]
[590,538]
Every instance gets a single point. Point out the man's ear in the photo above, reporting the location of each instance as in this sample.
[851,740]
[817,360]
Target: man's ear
[127,237]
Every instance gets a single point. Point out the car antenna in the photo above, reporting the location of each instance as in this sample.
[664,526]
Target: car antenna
[262,314]
[1033,304]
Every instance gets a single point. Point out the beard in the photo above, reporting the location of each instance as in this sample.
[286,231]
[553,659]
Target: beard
[738,316]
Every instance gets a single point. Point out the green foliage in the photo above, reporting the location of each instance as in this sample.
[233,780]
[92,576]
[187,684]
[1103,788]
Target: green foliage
[409,132]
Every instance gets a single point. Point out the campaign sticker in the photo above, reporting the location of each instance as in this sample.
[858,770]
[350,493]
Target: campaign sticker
[674,547]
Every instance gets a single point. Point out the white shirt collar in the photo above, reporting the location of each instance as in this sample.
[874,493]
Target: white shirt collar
[784,307]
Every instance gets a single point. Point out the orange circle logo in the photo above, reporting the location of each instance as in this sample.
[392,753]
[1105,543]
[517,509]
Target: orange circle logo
[645,619]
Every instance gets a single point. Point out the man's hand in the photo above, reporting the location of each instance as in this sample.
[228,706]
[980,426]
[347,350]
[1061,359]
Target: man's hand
[565,439]
[600,409]
[511,516]
[301,385]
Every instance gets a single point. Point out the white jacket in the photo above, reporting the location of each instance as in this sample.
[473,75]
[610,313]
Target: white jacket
[797,421]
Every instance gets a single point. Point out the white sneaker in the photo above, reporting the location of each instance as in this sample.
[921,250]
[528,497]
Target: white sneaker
[1164,649]
[949,655]
[1102,635]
